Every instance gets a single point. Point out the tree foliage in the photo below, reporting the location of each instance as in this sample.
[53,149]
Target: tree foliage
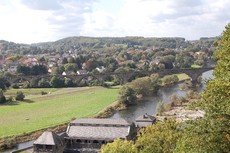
[119,146]
[212,134]
[159,138]
[20,96]
[127,95]
[2,97]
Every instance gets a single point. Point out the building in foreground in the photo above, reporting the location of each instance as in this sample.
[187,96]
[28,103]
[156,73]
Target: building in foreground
[89,134]
[49,142]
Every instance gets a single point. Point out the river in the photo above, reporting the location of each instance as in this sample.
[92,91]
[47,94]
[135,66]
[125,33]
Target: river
[147,106]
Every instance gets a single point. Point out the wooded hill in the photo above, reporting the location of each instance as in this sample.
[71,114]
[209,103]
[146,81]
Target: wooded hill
[78,44]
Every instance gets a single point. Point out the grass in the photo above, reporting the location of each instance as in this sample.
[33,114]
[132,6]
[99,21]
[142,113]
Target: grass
[195,66]
[31,91]
[43,111]
[181,76]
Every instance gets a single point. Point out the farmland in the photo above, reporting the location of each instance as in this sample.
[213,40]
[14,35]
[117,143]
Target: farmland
[58,106]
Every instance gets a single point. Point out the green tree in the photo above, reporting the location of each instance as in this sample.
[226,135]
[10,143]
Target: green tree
[4,83]
[71,59]
[71,67]
[159,138]
[212,134]
[68,82]
[144,86]
[127,95]
[2,97]
[43,83]
[119,146]
[57,82]
[64,60]
[20,96]
[160,107]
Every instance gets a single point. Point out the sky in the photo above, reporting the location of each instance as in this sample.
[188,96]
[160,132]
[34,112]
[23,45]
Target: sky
[33,21]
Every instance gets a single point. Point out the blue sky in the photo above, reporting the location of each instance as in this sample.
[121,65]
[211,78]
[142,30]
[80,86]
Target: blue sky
[32,21]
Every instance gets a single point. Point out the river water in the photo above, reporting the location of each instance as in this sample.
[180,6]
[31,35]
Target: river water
[147,106]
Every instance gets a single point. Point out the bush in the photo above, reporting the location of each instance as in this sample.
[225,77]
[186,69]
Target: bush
[43,93]
[15,86]
[160,108]
[20,96]
[10,99]
[2,97]
[127,95]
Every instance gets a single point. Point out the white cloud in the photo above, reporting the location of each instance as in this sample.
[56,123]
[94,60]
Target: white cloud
[48,20]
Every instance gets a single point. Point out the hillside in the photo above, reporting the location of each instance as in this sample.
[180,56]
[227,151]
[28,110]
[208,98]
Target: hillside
[101,43]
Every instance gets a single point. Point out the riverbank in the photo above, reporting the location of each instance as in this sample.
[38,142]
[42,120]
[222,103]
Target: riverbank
[178,108]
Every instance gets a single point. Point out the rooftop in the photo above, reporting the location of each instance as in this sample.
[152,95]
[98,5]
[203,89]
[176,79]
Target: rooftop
[97,132]
[48,138]
[96,121]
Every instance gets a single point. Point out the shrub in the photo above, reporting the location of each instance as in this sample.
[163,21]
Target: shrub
[2,97]
[15,86]
[160,108]
[20,96]
[43,93]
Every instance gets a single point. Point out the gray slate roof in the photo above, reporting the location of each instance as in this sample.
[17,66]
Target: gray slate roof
[99,129]
[94,121]
[97,132]
[48,138]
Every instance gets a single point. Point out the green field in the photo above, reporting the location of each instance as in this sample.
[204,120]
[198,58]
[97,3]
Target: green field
[195,66]
[181,76]
[59,106]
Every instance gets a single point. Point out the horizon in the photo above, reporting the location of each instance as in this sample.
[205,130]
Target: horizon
[105,37]
[37,21]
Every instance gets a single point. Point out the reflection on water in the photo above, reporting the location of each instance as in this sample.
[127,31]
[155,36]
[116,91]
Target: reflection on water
[149,105]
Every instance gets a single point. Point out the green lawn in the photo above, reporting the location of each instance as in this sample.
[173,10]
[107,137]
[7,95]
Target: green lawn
[181,76]
[60,106]
[195,66]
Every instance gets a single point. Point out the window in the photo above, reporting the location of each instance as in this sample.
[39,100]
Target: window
[95,141]
[49,147]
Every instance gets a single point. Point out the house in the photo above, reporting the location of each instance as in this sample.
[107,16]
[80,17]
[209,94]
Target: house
[81,72]
[144,121]
[49,142]
[100,69]
[89,134]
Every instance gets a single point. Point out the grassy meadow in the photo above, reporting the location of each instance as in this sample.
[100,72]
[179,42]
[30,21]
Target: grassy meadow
[58,106]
